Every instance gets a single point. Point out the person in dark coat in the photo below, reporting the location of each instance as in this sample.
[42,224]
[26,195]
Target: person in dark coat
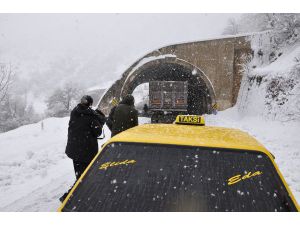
[85,126]
[109,120]
[123,116]
[146,109]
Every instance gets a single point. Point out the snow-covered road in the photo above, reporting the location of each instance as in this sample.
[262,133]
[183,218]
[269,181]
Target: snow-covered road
[34,171]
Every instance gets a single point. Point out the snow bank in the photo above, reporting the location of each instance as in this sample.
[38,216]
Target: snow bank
[34,170]
[31,158]
[272,90]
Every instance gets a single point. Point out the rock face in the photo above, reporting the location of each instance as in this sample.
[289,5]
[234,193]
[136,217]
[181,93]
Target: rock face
[212,68]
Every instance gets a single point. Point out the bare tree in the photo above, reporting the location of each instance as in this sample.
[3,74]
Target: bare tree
[63,99]
[287,28]
[71,93]
[232,27]
[6,75]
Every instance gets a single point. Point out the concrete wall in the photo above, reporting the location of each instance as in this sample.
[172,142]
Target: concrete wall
[216,58]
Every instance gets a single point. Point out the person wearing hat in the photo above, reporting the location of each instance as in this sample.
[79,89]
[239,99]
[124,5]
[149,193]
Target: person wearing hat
[123,116]
[85,126]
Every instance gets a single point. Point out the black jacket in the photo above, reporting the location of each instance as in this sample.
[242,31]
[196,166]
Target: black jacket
[110,118]
[122,117]
[85,126]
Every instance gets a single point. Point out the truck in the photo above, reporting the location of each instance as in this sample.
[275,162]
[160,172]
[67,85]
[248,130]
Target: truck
[167,99]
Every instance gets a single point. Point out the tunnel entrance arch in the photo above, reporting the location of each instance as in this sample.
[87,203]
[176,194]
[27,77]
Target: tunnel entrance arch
[217,63]
[201,95]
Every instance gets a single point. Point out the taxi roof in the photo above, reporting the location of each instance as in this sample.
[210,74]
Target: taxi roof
[190,135]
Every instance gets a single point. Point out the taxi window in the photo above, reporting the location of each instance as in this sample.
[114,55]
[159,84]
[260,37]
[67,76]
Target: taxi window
[139,177]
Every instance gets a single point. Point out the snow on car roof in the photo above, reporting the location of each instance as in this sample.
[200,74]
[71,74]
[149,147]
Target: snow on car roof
[191,135]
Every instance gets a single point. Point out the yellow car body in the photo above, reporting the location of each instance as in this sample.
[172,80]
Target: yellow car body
[188,136]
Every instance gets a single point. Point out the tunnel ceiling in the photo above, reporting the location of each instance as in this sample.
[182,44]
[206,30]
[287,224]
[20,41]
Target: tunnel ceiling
[166,72]
[199,96]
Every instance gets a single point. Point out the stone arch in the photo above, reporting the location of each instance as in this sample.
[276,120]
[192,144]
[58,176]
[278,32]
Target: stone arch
[201,94]
[215,63]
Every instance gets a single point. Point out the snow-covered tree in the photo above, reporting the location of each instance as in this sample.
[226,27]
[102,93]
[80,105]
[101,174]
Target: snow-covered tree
[232,27]
[255,22]
[14,109]
[267,87]
[15,112]
[285,27]
[63,100]
[6,76]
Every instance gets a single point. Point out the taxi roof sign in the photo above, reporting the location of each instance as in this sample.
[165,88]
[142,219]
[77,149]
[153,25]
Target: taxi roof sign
[190,119]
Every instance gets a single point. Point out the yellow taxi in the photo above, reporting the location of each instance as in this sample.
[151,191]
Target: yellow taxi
[185,166]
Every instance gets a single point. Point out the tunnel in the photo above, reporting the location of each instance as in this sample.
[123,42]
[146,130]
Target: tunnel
[201,95]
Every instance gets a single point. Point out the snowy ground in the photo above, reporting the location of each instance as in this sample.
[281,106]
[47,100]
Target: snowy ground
[34,171]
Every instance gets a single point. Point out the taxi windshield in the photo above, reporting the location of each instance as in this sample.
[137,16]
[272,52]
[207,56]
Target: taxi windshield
[153,177]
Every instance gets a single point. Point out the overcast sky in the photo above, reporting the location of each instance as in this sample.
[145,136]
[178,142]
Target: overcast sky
[94,48]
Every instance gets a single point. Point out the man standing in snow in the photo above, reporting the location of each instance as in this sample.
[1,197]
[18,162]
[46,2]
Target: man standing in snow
[85,126]
[123,116]
[146,109]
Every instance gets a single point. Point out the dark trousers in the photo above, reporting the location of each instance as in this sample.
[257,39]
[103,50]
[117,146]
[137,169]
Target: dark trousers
[79,168]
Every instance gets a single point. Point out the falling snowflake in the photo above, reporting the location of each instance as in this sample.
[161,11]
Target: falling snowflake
[114,181]
[240,192]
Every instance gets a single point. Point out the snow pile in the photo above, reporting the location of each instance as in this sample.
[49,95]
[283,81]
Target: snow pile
[32,159]
[285,63]
[34,170]
[272,90]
